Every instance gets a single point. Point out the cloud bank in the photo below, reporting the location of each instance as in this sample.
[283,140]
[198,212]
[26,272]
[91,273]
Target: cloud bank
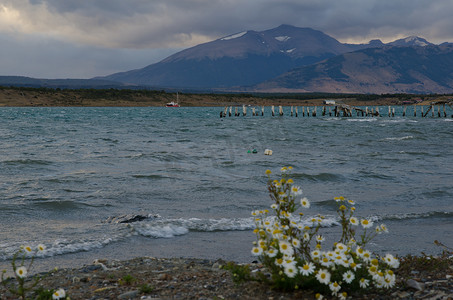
[116,35]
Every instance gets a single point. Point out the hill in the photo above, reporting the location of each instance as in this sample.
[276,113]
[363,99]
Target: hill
[391,69]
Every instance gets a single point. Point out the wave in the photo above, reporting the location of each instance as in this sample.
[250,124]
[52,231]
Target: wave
[61,246]
[318,177]
[169,228]
[151,176]
[157,227]
[407,137]
[363,120]
[413,216]
[27,162]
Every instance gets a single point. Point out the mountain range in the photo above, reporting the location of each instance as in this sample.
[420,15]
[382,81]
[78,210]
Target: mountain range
[290,59]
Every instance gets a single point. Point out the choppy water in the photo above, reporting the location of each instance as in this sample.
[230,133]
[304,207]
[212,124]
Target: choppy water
[69,174]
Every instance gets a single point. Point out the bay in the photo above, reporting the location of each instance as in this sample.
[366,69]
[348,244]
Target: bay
[70,176]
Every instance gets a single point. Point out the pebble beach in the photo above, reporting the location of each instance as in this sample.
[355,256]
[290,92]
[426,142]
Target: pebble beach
[188,278]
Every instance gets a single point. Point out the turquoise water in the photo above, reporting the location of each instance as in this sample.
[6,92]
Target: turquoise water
[70,175]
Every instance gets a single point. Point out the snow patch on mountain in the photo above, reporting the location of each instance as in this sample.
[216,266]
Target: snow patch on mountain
[233,36]
[282,38]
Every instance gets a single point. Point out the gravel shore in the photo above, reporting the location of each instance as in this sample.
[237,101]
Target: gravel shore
[184,278]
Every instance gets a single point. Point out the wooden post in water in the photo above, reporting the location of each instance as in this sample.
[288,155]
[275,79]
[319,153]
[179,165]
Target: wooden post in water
[262,110]
[272,109]
[225,111]
[244,110]
[253,111]
[445,112]
[236,113]
[303,111]
[323,111]
[415,110]
[314,111]
[438,111]
[404,110]
[291,110]
[393,112]
[308,111]
[377,111]
[297,113]
[280,110]
[432,112]
[390,111]
[230,111]
[366,112]
[330,111]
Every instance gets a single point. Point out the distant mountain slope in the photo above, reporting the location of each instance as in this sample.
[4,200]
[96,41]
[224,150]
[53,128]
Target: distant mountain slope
[427,69]
[22,81]
[244,58]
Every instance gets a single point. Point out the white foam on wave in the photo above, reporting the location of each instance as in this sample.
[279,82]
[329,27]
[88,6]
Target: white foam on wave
[59,246]
[402,138]
[169,228]
[363,120]
[410,216]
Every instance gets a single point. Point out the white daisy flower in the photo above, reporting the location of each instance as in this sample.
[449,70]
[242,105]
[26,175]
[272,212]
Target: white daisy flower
[348,276]
[295,242]
[334,287]
[341,247]
[257,251]
[391,261]
[271,252]
[323,276]
[320,238]
[285,247]
[27,249]
[304,202]
[315,254]
[21,272]
[366,255]
[59,294]
[290,270]
[366,223]
[296,190]
[364,283]
[354,221]
[279,262]
[326,262]
[389,280]
[307,269]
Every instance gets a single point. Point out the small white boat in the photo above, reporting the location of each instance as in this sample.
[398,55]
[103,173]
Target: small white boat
[172,103]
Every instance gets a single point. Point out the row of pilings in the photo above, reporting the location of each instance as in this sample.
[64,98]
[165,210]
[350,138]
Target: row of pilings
[341,110]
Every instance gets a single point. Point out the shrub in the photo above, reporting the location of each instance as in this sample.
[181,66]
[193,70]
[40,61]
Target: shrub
[292,249]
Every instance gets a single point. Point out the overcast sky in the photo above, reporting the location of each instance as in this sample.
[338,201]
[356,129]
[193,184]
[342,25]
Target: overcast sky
[87,38]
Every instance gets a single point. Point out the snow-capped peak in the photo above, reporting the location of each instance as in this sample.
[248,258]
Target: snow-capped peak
[416,41]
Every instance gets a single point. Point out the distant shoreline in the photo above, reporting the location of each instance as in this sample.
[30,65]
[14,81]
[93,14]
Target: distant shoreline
[44,97]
